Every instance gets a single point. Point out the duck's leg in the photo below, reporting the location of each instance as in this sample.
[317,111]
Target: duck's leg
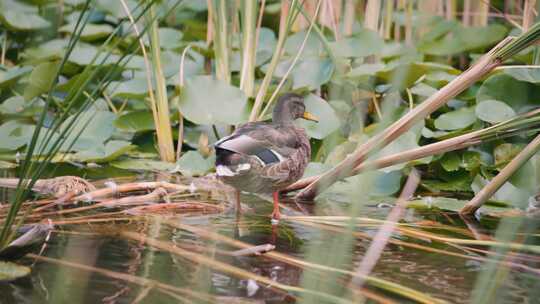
[276,215]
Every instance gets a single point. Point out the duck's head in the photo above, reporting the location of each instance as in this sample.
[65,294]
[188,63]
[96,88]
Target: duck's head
[289,107]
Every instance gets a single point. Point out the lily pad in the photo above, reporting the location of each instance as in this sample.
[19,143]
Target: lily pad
[169,38]
[7,78]
[528,74]
[312,73]
[328,119]
[205,100]
[494,111]
[134,88]
[10,271]
[364,43]
[90,31]
[135,121]
[192,163]
[105,153]
[456,120]
[41,79]
[143,165]
[22,21]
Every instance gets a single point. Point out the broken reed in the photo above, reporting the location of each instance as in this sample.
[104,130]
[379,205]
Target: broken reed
[524,123]
[502,51]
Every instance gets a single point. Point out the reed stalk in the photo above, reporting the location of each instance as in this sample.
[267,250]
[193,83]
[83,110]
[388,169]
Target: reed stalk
[349,16]
[371,20]
[528,14]
[221,30]
[523,123]
[288,15]
[502,51]
[160,100]
[249,49]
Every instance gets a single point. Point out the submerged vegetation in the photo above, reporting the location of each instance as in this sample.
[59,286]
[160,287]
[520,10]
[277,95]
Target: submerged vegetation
[423,180]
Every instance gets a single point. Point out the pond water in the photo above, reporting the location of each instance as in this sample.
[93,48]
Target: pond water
[118,261]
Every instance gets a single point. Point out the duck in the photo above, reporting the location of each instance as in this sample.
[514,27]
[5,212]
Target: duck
[266,157]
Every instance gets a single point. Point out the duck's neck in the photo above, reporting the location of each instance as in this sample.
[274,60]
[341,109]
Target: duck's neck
[281,116]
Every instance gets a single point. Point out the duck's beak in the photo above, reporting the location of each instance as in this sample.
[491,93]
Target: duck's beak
[309,116]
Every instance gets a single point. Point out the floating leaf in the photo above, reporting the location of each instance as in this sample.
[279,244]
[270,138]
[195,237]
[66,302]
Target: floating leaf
[328,120]
[367,69]
[7,78]
[90,31]
[134,88]
[169,38]
[528,74]
[91,128]
[10,271]
[451,161]
[22,21]
[192,163]
[456,120]
[14,135]
[41,79]
[505,88]
[464,39]
[135,121]
[508,193]
[205,100]
[143,165]
[312,73]
[364,43]
[104,153]
[494,111]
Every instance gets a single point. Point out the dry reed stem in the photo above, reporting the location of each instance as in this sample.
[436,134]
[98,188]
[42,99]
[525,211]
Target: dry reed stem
[452,144]
[345,168]
[384,233]
[138,186]
[487,192]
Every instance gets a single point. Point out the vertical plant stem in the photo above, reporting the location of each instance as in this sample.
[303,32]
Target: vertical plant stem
[221,37]
[249,50]
[389,15]
[284,26]
[466,18]
[4,48]
[373,9]
[528,14]
[450,9]
[409,24]
[349,17]
[487,192]
[163,127]
[293,63]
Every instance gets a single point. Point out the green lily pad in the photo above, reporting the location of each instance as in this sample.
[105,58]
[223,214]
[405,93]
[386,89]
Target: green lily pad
[90,31]
[105,153]
[464,39]
[192,163]
[312,73]
[143,165]
[451,161]
[136,88]
[494,111]
[528,74]
[14,135]
[22,21]
[10,271]
[205,100]
[505,88]
[364,43]
[7,78]
[41,79]
[169,38]
[91,128]
[456,120]
[367,69]
[328,119]
[135,121]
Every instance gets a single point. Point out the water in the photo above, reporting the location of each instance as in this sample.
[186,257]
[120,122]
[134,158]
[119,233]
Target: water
[445,277]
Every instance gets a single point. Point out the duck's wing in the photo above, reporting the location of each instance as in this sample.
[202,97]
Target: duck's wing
[267,143]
